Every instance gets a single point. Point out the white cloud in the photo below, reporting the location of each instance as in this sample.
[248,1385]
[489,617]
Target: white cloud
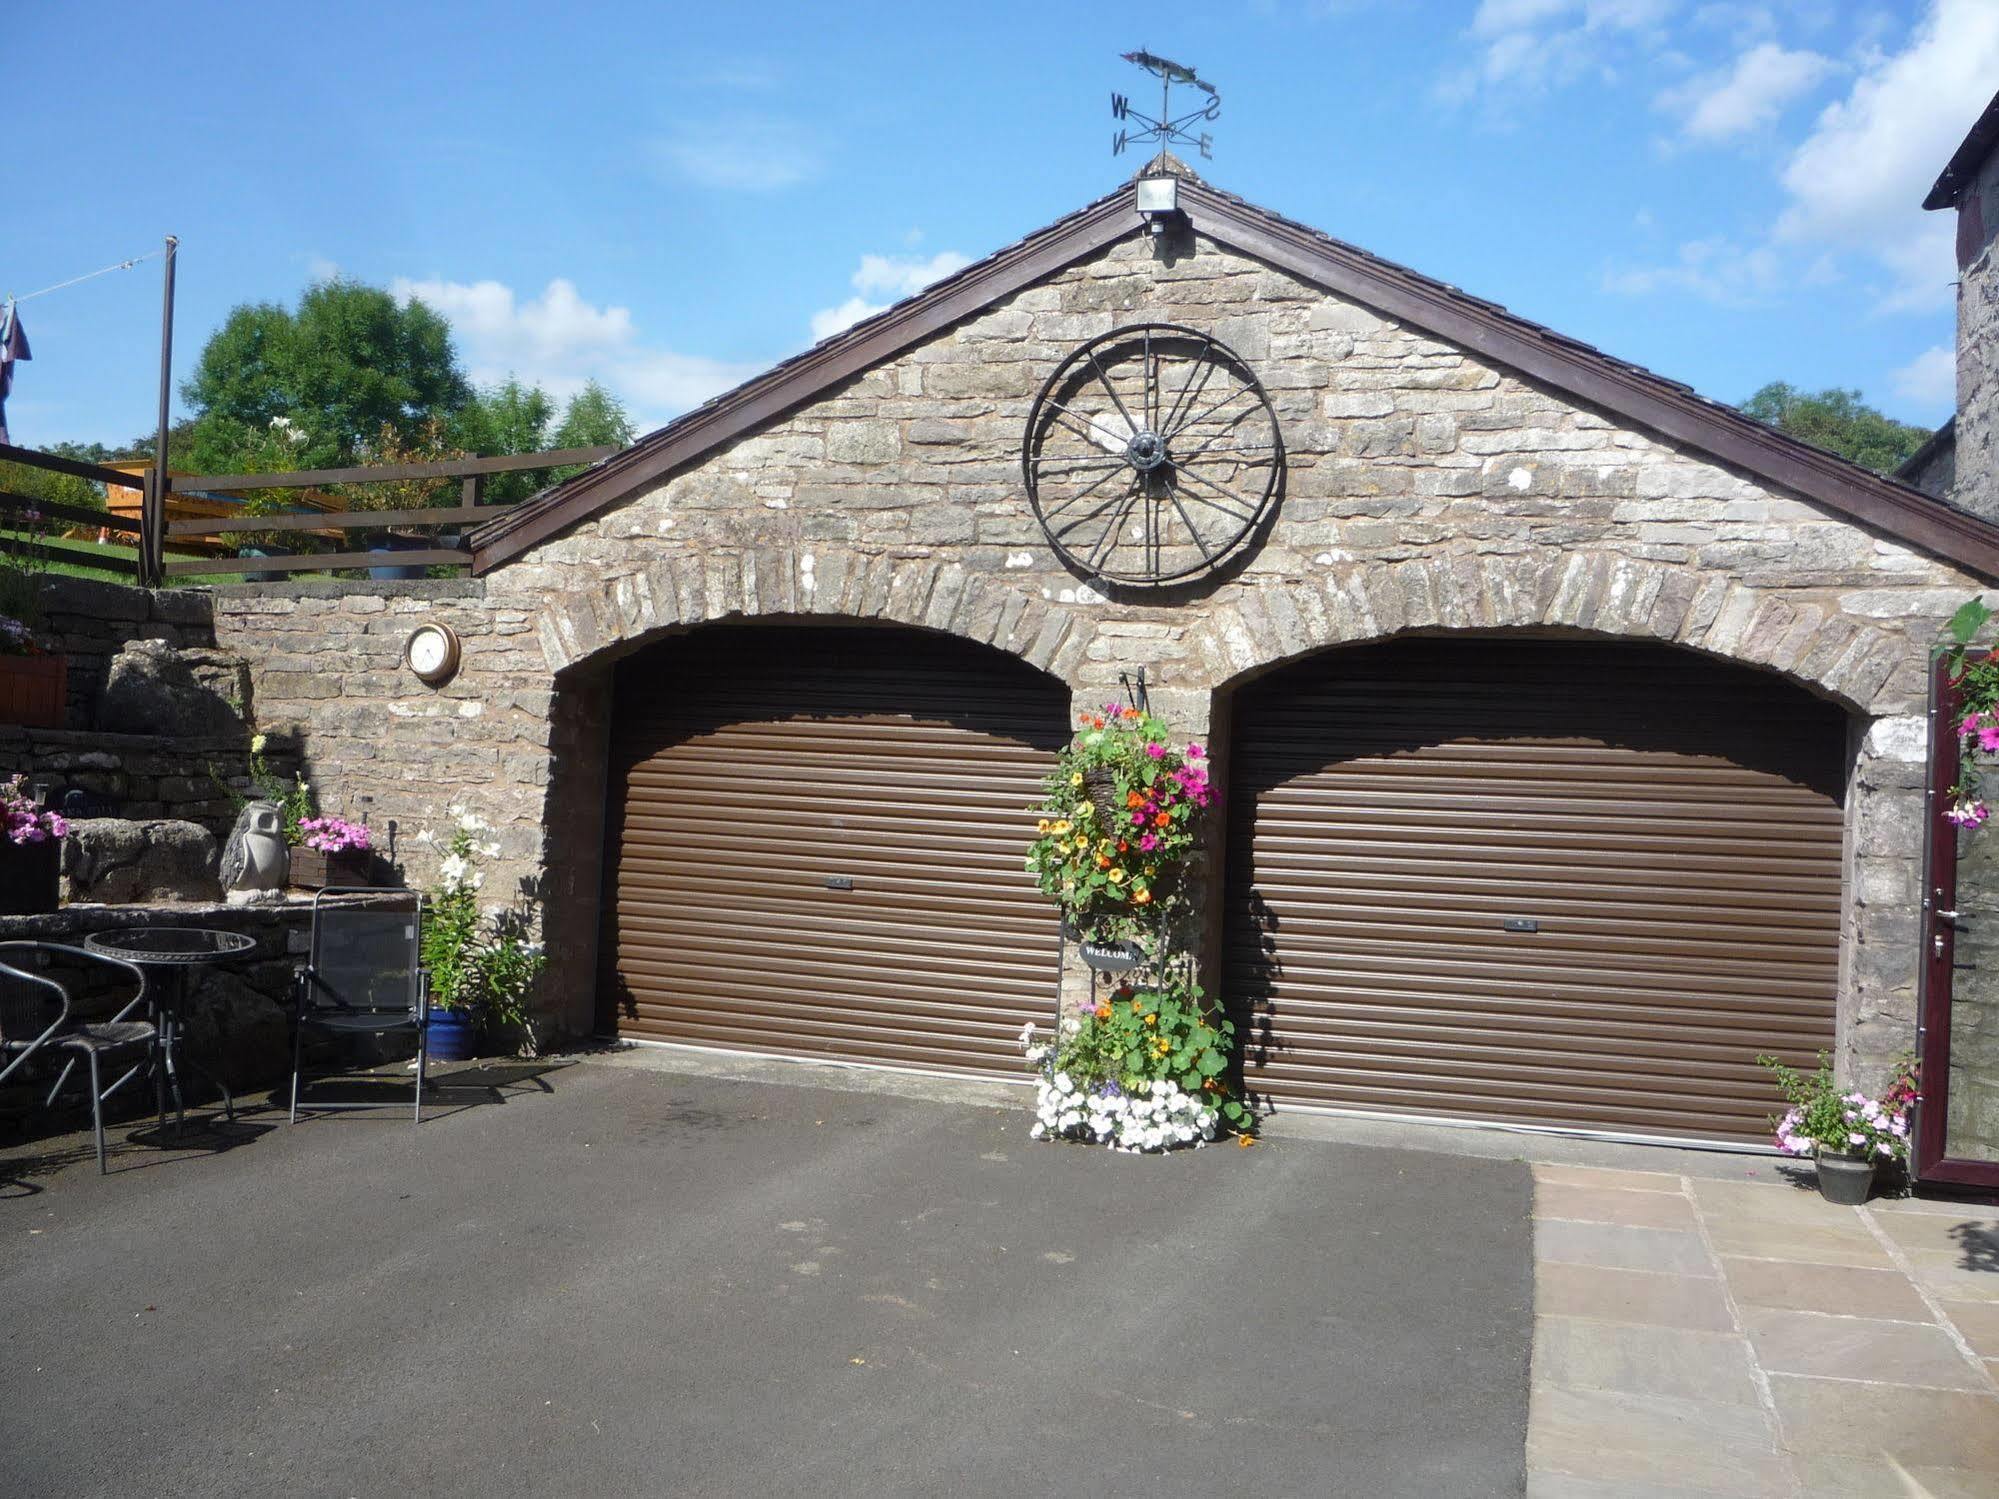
[1745,96]
[1857,181]
[1930,379]
[740,153]
[1530,45]
[318,268]
[560,341]
[890,276]
[1715,270]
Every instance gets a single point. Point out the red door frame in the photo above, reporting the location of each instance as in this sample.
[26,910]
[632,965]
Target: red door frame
[1938,933]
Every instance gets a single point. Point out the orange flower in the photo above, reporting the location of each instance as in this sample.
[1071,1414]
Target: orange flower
[1102,862]
[1245,1141]
[1122,846]
[1162,820]
[1133,799]
[1103,1012]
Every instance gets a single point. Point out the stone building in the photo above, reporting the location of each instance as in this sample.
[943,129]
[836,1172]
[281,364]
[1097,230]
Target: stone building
[1961,462]
[1573,727]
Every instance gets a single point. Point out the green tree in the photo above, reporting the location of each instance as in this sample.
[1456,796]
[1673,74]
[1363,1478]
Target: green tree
[594,418]
[1838,421]
[349,361]
[502,419]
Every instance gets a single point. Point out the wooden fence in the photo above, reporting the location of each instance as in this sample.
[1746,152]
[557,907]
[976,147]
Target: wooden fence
[324,532]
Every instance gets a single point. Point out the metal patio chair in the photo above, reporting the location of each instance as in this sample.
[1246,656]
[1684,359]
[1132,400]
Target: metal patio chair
[37,1018]
[363,976]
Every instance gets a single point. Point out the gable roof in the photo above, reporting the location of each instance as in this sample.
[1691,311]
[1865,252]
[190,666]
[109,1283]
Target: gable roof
[1482,328]
[1979,143]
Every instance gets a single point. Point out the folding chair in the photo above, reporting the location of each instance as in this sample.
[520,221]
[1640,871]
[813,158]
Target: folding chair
[363,976]
[36,1011]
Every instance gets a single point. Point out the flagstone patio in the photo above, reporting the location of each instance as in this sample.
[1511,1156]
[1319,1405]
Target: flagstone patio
[1698,1337]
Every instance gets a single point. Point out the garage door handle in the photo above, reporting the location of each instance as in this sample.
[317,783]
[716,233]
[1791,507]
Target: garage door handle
[839,882]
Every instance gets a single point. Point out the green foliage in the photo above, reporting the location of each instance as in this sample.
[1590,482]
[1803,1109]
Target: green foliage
[1825,1120]
[1975,676]
[488,966]
[293,794]
[1155,1030]
[348,362]
[505,418]
[1119,817]
[31,483]
[1838,421]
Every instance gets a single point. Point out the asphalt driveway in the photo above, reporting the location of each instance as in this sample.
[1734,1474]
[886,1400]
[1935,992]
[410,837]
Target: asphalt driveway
[626,1281]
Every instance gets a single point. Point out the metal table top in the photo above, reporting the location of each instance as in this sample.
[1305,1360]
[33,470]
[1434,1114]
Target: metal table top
[170,944]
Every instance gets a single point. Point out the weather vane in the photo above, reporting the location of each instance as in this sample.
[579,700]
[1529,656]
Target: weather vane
[1167,128]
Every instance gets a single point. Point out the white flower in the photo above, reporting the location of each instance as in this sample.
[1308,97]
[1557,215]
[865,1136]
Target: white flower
[426,837]
[1070,1025]
[257,743]
[1063,1083]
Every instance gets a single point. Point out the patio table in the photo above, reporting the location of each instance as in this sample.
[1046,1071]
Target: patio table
[170,952]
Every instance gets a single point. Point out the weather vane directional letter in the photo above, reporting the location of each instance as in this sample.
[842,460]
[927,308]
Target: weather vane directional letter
[1166,129]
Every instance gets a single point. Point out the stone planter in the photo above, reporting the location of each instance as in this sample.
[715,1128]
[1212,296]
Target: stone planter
[313,870]
[34,691]
[29,876]
[1845,1179]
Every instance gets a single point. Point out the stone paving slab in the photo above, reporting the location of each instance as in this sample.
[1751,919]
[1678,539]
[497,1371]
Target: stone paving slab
[1699,1337]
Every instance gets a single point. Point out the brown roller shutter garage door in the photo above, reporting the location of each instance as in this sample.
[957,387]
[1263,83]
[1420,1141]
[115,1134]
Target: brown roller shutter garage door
[757,774]
[1533,882]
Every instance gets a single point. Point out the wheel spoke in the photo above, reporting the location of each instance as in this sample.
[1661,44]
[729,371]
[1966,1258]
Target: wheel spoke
[1081,494]
[1188,521]
[1190,391]
[1107,542]
[1218,434]
[1111,391]
[1234,395]
[1249,507]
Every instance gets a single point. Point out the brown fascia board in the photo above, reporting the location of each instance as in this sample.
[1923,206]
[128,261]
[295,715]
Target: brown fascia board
[1483,328]
[1965,161]
[800,379]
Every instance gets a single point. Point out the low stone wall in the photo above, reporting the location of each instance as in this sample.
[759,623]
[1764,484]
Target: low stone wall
[141,776]
[90,622]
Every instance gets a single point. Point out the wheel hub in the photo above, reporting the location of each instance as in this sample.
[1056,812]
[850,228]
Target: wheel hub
[1146,451]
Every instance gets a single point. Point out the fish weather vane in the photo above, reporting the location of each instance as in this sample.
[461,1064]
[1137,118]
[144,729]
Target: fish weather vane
[1168,128]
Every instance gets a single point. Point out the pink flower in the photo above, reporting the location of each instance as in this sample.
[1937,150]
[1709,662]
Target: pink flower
[1149,842]
[1194,752]
[1138,818]
[1988,737]
[1158,751]
[1967,814]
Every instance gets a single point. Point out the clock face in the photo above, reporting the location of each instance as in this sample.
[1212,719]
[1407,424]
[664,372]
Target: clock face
[1152,455]
[432,652]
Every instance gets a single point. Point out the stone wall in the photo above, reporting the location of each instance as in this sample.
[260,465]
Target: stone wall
[1978,345]
[1427,491]
[92,621]
[138,776]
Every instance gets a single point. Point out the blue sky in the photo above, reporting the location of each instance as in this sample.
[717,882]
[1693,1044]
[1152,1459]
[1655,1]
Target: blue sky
[668,197]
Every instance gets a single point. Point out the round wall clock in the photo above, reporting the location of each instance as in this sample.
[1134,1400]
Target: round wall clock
[1152,455]
[432,651]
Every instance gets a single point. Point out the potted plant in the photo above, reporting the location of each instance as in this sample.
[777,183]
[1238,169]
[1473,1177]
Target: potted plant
[483,968]
[1848,1134]
[1142,1069]
[30,851]
[332,851]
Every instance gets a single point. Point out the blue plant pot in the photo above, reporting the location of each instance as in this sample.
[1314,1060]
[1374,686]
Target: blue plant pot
[453,1036]
[394,543]
[265,552]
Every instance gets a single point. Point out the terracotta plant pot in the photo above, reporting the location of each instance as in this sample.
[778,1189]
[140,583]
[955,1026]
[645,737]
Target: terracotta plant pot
[29,877]
[1845,1179]
[34,691]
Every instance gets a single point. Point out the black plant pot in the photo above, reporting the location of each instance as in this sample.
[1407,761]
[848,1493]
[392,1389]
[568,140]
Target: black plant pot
[390,542]
[265,551]
[1845,1179]
[30,875]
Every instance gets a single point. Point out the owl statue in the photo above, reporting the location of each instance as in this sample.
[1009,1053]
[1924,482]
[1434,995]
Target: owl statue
[255,861]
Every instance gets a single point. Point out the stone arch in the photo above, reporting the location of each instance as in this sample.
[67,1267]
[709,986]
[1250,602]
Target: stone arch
[1848,660]
[806,582]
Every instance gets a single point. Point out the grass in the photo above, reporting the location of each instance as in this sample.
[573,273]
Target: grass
[107,561]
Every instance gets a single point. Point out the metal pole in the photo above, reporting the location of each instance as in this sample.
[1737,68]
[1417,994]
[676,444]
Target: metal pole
[152,540]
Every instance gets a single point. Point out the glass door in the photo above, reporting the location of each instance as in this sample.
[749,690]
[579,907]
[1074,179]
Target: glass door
[1957,1128]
